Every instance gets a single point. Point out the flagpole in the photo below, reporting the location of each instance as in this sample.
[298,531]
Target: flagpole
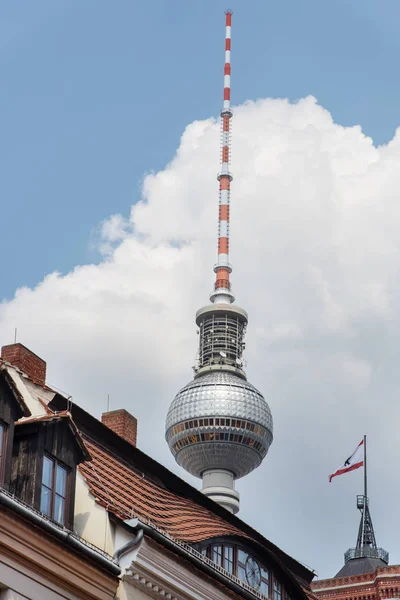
[365,492]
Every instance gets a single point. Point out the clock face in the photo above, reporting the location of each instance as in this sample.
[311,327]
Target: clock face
[253,572]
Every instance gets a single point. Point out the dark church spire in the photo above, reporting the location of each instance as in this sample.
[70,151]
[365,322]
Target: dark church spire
[366,556]
[366,543]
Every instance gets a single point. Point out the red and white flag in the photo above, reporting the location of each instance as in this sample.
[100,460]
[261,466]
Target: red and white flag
[355,461]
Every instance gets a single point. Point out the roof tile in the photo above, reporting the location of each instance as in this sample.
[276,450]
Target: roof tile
[125,493]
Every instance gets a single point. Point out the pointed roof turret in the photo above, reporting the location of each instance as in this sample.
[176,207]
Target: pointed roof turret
[366,557]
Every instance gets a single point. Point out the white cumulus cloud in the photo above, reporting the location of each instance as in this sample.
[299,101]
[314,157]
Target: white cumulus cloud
[315,249]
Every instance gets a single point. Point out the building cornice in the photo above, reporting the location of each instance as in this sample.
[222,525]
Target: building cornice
[356,581]
[325,585]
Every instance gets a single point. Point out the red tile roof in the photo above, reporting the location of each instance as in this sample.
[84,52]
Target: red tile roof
[128,494]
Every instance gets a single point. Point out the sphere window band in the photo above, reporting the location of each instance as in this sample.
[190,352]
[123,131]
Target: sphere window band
[247,568]
[197,438]
[219,422]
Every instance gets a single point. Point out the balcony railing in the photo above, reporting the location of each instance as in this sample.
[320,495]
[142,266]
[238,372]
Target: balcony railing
[366,552]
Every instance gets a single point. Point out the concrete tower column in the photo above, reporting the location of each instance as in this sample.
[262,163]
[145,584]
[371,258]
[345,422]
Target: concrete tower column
[219,485]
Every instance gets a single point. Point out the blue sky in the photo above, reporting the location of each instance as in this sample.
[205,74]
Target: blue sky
[94,94]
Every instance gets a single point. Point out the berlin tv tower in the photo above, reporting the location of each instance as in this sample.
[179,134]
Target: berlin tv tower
[219,427]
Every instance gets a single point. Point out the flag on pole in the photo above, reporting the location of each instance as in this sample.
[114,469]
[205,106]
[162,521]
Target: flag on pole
[355,461]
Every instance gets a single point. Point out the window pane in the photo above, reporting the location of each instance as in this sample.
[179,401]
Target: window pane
[229,553]
[242,556]
[242,574]
[61,481]
[59,509]
[45,501]
[217,554]
[228,558]
[1,439]
[263,589]
[47,476]
[277,590]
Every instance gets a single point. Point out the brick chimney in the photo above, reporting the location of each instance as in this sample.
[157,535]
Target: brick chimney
[25,360]
[122,423]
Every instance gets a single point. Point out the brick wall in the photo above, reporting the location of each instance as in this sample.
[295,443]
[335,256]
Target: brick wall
[378,585]
[122,423]
[26,360]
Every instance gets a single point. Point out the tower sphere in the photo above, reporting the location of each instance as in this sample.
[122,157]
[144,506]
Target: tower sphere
[219,421]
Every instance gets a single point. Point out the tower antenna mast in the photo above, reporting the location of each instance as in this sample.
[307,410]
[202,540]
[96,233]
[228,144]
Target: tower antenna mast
[222,289]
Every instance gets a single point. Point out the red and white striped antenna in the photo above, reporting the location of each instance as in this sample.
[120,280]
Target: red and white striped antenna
[222,288]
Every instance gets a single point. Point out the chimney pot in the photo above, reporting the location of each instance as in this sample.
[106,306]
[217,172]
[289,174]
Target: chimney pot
[25,360]
[122,423]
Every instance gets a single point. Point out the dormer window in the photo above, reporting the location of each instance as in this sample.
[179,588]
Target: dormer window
[46,452]
[222,555]
[246,567]
[54,490]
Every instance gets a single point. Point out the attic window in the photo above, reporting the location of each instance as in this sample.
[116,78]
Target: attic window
[54,490]
[246,567]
